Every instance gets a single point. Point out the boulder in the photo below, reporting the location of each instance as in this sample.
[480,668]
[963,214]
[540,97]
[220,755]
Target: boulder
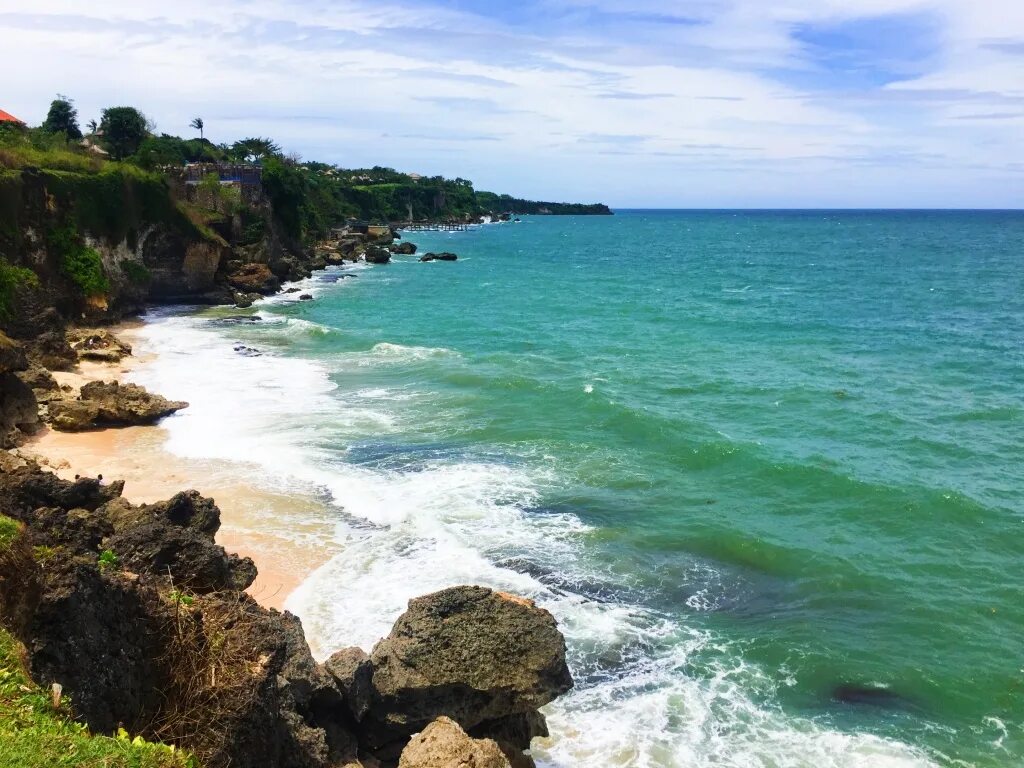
[443,256]
[404,249]
[102,404]
[19,410]
[443,744]
[306,297]
[12,355]
[376,255]
[254,278]
[467,653]
[51,350]
[353,673]
[192,560]
[97,344]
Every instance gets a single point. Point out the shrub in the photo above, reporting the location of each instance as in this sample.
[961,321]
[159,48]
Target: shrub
[13,279]
[136,271]
[107,559]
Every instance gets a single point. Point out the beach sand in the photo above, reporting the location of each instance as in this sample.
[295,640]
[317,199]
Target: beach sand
[287,535]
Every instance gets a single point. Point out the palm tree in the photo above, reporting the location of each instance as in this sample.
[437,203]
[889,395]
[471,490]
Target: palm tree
[93,126]
[198,125]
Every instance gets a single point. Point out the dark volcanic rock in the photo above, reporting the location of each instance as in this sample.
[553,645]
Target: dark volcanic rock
[306,297]
[404,249]
[191,559]
[377,255]
[353,672]
[110,404]
[19,411]
[443,256]
[467,653]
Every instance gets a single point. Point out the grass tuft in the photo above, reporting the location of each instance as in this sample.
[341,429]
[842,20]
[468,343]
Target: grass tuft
[36,734]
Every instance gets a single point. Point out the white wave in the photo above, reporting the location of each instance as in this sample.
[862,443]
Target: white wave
[388,353]
[405,533]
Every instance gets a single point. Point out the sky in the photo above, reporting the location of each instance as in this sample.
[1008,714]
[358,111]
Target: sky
[700,103]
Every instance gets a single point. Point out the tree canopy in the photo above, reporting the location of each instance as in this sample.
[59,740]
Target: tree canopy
[124,130]
[62,118]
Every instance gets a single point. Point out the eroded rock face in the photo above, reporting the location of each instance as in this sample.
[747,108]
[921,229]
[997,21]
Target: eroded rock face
[467,653]
[19,411]
[443,744]
[443,256]
[404,249]
[102,404]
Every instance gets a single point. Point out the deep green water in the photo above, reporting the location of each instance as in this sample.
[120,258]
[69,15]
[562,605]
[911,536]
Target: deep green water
[743,457]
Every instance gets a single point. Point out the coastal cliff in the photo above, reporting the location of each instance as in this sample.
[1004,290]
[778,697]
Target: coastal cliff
[138,616]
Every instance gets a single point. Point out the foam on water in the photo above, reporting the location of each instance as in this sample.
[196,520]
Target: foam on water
[408,532]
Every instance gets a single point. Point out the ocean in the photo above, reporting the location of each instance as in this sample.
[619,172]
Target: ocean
[765,468]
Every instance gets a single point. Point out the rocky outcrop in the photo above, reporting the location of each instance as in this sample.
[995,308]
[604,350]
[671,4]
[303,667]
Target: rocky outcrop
[376,254]
[138,614]
[404,249]
[254,278]
[443,256]
[19,411]
[468,653]
[443,744]
[97,344]
[101,404]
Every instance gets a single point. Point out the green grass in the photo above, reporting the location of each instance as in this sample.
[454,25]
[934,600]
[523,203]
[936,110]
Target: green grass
[9,530]
[34,734]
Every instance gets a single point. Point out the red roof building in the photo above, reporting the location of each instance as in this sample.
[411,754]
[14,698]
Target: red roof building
[7,117]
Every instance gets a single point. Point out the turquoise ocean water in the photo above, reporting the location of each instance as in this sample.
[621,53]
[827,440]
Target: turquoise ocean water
[746,458]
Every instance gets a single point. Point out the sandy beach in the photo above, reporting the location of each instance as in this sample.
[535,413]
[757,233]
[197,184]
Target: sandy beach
[286,535]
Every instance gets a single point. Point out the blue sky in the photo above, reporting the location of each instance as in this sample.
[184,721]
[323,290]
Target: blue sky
[708,103]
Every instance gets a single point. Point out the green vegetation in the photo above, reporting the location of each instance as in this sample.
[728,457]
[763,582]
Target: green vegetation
[9,531]
[124,130]
[34,733]
[62,118]
[113,197]
[13,279]
[136,271]
[107,559]
[79,263]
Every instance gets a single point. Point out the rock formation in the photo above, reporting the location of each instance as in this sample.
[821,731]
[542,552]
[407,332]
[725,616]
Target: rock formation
[18,409]
[137,613]
[443,744]
[97,344]
[101,404]
[443,256]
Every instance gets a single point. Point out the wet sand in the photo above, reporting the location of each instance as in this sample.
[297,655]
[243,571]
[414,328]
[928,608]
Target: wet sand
[287,535]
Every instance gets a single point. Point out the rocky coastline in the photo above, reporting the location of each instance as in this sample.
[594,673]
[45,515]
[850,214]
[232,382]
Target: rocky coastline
[140,622]
[139,616]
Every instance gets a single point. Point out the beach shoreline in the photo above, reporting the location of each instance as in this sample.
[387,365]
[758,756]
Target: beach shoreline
[138,455]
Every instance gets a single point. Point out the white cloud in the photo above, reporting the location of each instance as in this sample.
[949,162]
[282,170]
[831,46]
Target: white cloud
[722,110]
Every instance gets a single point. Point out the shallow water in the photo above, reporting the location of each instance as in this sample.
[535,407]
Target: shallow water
[744,458]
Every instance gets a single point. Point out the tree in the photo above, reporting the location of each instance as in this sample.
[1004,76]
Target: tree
[255,149]
[197,123]
[93,126]
[62,118]
[124,129]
